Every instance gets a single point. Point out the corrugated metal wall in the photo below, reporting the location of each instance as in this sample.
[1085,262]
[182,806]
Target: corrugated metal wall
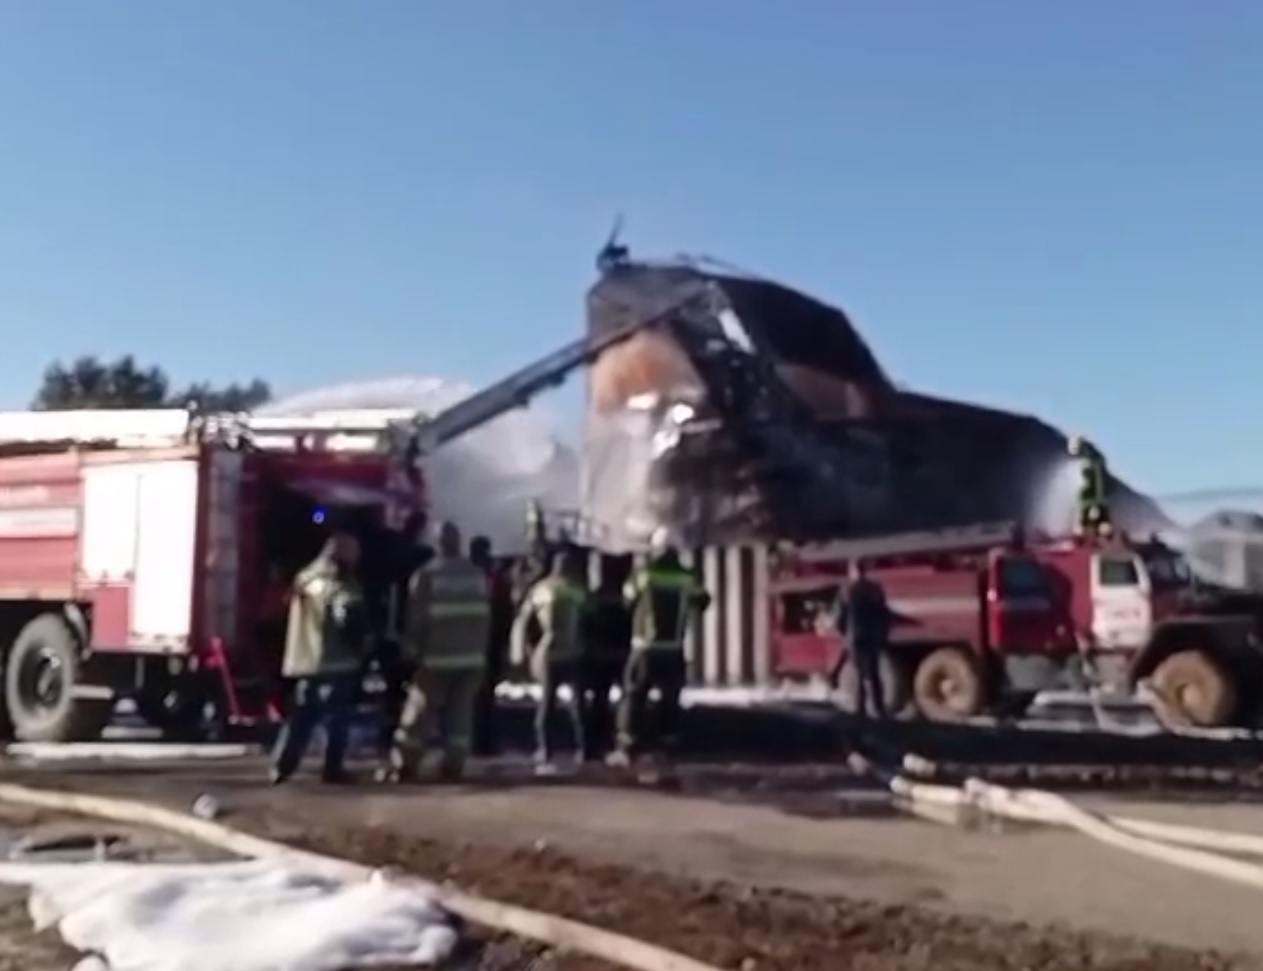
[730,643]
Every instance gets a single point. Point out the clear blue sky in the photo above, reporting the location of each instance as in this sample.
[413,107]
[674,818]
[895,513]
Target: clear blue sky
[1053,207]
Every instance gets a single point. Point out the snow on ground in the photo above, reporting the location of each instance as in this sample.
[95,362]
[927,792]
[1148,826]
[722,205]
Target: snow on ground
[483,481]
[237,916]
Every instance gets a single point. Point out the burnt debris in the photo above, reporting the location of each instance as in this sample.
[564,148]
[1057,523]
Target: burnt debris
[757,412]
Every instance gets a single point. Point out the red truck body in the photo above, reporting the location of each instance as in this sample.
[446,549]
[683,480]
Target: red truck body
[983,620]
[150,560]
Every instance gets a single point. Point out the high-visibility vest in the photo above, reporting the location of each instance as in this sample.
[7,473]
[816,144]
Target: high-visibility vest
[559,606]
[449,615]
[662,599]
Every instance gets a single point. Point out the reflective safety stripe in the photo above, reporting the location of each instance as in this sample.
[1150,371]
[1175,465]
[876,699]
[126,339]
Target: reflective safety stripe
[640,644]
[457,609]
[453,662]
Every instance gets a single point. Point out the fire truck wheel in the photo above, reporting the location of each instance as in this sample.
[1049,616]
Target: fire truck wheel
[39,679]
[1194,689]
[948,685]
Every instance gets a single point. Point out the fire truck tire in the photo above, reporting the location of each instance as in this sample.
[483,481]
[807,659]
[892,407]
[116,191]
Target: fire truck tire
[894,683]
[39,677]
[1194,689]
[948,685]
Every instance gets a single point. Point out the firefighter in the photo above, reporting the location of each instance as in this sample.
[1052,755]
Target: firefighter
[607,645]
[663,598]
[500,588]
[449,615]
[324,643]
[865,618]
[409,553]
[557,605]
[1093,504]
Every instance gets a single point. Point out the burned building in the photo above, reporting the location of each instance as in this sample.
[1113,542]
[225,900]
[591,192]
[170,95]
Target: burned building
[750,411]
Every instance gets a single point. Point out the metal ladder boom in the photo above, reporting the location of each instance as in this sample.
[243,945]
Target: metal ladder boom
[521,387]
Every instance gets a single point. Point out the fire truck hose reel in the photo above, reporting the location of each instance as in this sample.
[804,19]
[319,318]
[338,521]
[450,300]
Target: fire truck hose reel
[1189,847]
[553,931]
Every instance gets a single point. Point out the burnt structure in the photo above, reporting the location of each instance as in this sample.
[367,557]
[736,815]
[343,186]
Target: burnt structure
[750,411]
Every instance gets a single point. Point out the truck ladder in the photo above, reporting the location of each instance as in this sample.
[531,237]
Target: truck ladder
[966,539]
[426,434]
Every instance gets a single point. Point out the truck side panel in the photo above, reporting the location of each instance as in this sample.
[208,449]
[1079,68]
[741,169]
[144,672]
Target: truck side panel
[226,541]
[139,542]
[39,526]
[931,606]
[111,517]
[166,544]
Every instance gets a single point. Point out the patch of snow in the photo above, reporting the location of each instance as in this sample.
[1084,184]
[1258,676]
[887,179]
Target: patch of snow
[484,481]
[241,916]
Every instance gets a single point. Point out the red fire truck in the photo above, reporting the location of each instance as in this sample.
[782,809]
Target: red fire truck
[147,555]
[984,620]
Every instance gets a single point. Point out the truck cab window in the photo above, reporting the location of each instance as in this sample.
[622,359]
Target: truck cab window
[801,610]
[1020,576]
[1168,571]
[1117,571]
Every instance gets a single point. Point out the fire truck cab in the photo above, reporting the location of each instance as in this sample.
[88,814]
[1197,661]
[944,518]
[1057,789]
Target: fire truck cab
[147,555]
[984,619]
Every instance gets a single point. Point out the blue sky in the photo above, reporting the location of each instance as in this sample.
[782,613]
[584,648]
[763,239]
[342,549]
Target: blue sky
[1053,207]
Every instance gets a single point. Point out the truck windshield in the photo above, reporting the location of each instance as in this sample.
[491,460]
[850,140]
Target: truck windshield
[1168,571]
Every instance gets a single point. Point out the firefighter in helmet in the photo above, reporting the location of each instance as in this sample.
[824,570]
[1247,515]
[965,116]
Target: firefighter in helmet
[324,645]
[1093,502]
[556,609]
[663,597]
[448,625]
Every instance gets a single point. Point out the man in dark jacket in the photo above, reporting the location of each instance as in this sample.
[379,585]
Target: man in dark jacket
[607,646]
[500,587]
[865,620]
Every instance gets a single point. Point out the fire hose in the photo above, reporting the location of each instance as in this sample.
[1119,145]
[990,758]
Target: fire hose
[1190,847]
[551,930]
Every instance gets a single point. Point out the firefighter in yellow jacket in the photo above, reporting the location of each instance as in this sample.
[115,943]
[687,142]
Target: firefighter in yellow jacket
[557,608]
[324,644]
[448,623]
[663,597]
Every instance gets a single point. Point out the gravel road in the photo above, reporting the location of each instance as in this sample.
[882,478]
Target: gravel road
[761,870]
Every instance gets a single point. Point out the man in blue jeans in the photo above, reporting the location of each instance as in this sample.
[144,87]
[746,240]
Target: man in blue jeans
[323,646]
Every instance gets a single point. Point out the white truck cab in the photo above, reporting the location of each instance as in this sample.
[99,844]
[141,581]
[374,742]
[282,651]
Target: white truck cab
[1124,582]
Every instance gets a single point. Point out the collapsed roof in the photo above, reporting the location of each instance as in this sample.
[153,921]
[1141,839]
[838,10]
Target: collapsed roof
[755,411]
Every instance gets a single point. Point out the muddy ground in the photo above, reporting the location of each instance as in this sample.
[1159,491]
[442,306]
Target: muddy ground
[21,949]
[756,869]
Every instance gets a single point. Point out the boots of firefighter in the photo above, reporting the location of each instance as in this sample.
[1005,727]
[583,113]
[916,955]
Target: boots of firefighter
[404,759]
[389,774]
[452,765]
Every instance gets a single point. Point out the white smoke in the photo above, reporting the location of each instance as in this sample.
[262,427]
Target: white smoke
[1055,497]
[482,482]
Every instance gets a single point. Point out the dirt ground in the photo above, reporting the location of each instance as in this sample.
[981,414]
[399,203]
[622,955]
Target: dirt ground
[21,948]
[800,871]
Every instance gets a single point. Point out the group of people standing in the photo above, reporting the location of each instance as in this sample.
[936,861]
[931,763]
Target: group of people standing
[443,640]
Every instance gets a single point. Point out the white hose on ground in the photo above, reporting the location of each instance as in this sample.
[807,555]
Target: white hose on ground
[548,929]
[1241,844]
[1184,846]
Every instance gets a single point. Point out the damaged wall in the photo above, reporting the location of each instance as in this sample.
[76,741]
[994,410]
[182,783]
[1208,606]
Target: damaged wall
[765,414]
